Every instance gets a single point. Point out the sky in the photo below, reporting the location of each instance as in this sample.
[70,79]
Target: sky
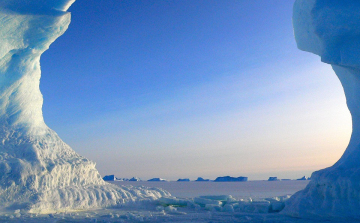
[187,89]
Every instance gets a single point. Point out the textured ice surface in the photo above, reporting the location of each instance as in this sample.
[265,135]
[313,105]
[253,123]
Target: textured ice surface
[331,29]
[185,209]
[39,172]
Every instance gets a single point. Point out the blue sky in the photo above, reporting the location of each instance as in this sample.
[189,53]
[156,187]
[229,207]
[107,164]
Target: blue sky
[178,89]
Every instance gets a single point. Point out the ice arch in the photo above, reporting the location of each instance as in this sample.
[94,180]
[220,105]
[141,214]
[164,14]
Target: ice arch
[39,172]
[331,29]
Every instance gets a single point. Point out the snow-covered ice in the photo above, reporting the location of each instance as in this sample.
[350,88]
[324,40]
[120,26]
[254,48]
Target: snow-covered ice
[331,29]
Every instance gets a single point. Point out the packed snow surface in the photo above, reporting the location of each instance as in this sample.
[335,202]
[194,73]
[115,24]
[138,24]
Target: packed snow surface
[331,29]
[39,172]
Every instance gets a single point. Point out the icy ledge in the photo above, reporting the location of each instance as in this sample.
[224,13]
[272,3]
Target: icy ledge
[39,172]
[331,29]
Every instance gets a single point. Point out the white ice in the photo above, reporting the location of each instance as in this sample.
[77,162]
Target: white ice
[331,29]
[39,172]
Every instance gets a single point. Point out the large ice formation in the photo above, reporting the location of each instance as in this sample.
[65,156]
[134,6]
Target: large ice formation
[39,172]
[331,29]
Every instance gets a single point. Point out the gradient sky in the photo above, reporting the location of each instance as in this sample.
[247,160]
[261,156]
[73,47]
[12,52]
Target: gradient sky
[183,89]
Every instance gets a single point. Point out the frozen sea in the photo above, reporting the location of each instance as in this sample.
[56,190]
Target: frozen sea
[150,212]
[240,190]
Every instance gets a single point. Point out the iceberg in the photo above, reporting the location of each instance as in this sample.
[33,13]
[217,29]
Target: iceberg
[201,179]
[302,178]
[158,179]
[183,180]
[231,179]
[273,179]
[109,178]
[39,172]
[331,29]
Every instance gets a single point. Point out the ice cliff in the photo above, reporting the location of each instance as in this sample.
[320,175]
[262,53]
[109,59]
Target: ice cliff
[331,29]
[39,172]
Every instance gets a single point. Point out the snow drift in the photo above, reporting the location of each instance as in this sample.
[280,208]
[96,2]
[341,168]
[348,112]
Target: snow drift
[331,29]
[39,172]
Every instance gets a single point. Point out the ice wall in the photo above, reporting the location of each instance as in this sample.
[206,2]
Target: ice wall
[39,172]
[331,29]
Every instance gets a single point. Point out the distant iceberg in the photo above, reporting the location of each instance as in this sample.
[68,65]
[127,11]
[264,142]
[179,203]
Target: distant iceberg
[201,179]
[157,179]
[183,180]
[302,178]
[231,179]
[109,178]
[273,179]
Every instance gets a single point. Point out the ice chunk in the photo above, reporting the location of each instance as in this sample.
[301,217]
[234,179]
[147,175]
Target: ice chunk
[170,209]
[228,208]
[213,207]
[172,201]
[204,201]
[257,207]
[217,197]
[273,179]
[276,206]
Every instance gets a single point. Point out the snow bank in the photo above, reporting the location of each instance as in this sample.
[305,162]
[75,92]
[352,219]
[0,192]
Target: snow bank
[39,172]
[331,29]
